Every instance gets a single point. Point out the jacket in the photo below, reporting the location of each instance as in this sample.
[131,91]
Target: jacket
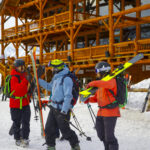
[103,97]
[20,90]
[61,92]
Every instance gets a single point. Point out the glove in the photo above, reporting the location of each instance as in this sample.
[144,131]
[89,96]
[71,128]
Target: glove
[62,116]
[87,101]
[88,86]
[29,77]
[40,71]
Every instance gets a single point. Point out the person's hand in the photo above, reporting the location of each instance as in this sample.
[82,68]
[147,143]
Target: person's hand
[62,116]
[87,101]
[88,86]
[40,71]
[29,77]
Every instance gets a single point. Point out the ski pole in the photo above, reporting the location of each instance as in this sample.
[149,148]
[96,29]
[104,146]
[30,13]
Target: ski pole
[76,121]
[81,133]
[35,117]
[91,113]
[146,99]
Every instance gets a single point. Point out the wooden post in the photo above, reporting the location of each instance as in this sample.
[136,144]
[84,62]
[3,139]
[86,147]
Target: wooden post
[86,41]
[97,7]
[71,42]
[16,24]
[2,37]
[17,49]
[138,15]
[97,37]
[41,48]
[111,30]
[26,53]
[121,29]
[71,11]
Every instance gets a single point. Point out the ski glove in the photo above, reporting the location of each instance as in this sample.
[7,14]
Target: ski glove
[62,116]
[40,71]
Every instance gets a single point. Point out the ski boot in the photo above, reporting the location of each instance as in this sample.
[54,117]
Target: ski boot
[24,143]
[18,142]
[76,147]
[50,148]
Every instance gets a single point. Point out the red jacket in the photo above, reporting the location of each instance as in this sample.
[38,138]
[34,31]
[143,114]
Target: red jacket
[20,89]
[103,97]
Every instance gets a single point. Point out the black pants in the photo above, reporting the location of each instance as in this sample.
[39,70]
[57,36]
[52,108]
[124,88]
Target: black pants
[21,117]
[53,122]
[105,127]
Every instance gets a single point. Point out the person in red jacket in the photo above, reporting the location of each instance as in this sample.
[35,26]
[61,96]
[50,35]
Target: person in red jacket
[107,113]
[19,103]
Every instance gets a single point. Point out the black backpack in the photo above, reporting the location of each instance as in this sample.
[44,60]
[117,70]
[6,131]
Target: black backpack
[75,88]
[7,88]
[122,93]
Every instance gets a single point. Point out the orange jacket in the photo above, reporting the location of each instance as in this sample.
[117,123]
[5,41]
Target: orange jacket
[103,97]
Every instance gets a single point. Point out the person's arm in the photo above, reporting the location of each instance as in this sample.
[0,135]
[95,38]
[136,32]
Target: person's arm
[45,85]
[92,99]
[20,88]
[105,84]
[67,88]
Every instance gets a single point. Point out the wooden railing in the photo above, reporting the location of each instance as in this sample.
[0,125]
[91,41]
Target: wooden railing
[122,49]
[83,16]
[35,25]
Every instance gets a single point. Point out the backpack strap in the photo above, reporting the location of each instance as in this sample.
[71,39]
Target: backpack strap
[16,97]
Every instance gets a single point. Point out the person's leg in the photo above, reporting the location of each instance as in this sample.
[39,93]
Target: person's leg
[50,129]
[16,118]
[100,130]
[67,133]
[110,139]
[26,114]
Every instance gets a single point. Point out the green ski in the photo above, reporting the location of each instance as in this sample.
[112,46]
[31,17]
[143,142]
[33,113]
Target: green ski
[90,91]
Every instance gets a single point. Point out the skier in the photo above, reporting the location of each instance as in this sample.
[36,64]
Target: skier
[19,103]
[106,116]
[60,106]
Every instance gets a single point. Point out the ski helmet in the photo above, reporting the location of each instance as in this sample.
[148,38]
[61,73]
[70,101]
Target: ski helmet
[19,62]
[102,67]
[57,65]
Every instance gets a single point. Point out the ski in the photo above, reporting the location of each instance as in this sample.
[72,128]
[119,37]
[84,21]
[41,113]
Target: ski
[90,91]
[33,58]
[146,100]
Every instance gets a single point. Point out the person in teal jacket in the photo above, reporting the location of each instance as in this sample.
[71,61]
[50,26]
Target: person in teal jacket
[61,98]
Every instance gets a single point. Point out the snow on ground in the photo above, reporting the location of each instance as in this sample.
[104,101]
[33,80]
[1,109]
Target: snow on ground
[132,130]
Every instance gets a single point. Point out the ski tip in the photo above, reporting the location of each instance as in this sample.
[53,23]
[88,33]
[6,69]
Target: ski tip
[141,55]
[34,49]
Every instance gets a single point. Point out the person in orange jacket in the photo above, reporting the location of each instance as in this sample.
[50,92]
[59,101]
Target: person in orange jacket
[19,103]
[107,113]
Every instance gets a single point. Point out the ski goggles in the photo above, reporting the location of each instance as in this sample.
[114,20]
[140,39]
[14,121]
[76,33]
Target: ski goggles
[106,69]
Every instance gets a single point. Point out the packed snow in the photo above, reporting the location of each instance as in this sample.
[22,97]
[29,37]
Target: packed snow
[132,129]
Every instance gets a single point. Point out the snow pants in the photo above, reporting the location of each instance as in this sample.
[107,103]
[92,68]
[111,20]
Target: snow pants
[105,127]
[21,117]
[54,122]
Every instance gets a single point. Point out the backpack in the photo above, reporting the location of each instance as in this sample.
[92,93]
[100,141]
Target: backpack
[75,88]
[7,88]
[122,93]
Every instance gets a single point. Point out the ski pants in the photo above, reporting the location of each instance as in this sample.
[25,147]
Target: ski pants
[54,122]
[21,117]
[105,127]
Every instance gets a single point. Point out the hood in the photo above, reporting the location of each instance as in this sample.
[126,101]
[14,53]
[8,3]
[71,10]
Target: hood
[62,73]
[14,72]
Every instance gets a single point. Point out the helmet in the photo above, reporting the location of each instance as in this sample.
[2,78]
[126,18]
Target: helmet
[102,67]
[19,62]
[57,65]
